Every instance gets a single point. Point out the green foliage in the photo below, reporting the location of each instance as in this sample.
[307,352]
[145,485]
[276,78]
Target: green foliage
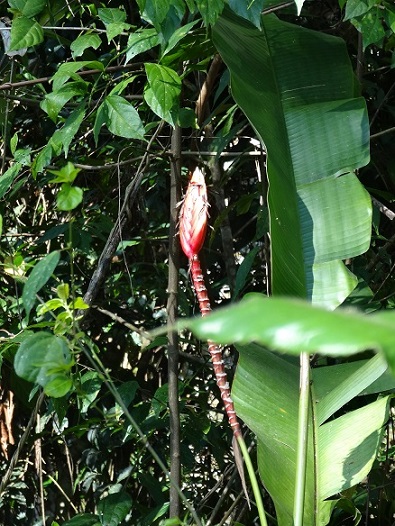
[38,277]
[44,359]
[301,121]
[91,108]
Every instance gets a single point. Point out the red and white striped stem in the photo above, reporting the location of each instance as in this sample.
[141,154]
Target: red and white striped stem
[214,350]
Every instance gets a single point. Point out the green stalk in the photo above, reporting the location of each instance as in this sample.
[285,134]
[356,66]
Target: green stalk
[254,482]
[301,453]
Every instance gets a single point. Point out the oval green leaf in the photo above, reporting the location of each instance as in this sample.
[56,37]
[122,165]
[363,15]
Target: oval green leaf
[25,33]
[38,277]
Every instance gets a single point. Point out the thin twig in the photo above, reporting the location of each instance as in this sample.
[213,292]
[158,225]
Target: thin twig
[383,132]
[44,80]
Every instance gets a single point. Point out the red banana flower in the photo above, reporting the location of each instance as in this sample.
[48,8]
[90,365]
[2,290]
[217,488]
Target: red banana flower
[193,215]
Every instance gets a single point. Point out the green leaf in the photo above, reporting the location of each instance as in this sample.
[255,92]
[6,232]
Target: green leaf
[210,10]
[114,20]
[79,304]
[13,143]
[294,326]
[63,291]
[67,174]
[69,197]
[69,69]
[319,212]
[28,8]
[91,383]
[101,118]
[163,93]
[141,41]
[114,508]
[49,306]
[111,15]
[42,160]
[38,277]
[8,178]
[178,35]
[265,392]
[25,33]
[347,456]
[333,391]
[249,10]
[122,119]
[355,8]
[371,27]
[83,519]
[45,359]
[244,270]
[156,11]
[83,42]
[62,138]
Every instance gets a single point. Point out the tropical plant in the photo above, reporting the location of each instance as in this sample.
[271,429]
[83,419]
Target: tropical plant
[105,109]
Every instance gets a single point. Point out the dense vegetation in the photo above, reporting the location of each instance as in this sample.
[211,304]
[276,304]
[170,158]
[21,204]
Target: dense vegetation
[105,108]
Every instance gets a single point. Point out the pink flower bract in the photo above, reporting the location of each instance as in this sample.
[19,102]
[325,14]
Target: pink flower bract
[193,215]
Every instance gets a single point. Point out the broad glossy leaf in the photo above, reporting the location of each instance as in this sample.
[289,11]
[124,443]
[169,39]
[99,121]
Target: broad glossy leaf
[335,386]
[249,10]
[45,359]
[141,41]
[114,508]
[8,177]
[156,10]
[25,33]
[122,118]
[163,92]
[210,10]
[38,277]
[62,138]
[265,392]
[54,101]
[294,326]
[296,87]
[83,42]
[348,446]
[28,8]
[178,35]
[356,8]
[68,70]
[69,197]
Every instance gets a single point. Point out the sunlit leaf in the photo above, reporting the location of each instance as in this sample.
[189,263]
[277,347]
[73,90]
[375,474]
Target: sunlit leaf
[25,33]
[45,359]
[319,212]
[163,93]
[28,8]
[83,42]
[69,197]
[122,118]
[38,277]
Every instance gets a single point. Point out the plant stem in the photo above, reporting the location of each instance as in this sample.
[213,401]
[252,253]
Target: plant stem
[172,285]
[301,453]
[254,483]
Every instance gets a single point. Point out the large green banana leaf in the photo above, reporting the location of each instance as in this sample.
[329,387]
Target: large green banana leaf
[341,449]
[297,89]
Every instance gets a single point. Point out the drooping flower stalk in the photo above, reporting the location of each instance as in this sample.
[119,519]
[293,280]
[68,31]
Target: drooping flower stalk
[193,227]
